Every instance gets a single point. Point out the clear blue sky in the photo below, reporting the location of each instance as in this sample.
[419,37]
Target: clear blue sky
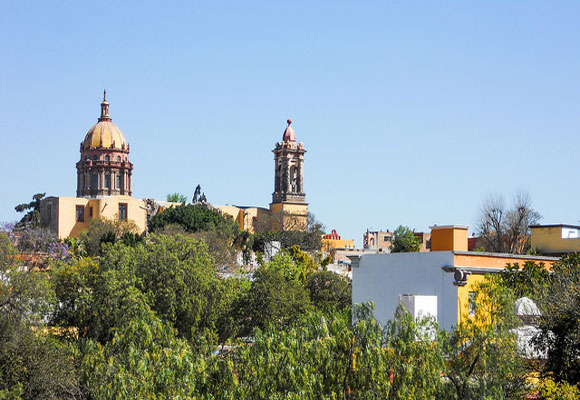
[410,111]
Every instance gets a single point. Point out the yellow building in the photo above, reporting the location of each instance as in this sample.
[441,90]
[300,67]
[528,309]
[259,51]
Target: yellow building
[556,239]
[333,241]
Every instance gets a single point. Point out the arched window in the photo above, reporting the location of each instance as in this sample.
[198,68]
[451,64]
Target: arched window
[118,158]
[107,158]
[95,157]
[293,180]
[86,158]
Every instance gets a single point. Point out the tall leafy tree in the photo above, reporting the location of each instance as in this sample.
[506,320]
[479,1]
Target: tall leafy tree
[329,291]
[404,240]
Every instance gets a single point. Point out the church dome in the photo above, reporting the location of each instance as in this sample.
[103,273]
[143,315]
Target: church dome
[104,134]
[289,135]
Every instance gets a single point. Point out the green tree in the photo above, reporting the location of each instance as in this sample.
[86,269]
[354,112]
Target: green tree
[329,291]
[103,230]
[32,365]
[195,218]
[32,209]
[172,275]
[315,359]
[144,360]
[177,198]
[560,322]
[404,240]
[414,356]
[275,297]
[532,280]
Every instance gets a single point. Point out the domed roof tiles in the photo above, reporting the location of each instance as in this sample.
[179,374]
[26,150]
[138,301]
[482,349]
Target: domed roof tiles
[104,134]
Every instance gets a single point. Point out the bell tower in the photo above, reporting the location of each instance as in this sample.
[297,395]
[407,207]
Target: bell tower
[289,208]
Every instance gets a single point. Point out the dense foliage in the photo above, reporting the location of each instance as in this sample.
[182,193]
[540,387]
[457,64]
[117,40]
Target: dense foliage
[154,318]
[195,218]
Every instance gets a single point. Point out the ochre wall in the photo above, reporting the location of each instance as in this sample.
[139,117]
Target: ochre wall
[549,240]
[107,207]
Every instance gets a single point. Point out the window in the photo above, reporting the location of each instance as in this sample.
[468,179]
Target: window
[86,158]
[108,181]
[80,213]
[387,239]
[118,181]
[122,211]
[91,212]
[95,157]
[472,296]
[118,158]
[94,181]
[107,158]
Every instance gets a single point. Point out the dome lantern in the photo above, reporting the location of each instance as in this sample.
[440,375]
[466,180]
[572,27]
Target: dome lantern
[104,108]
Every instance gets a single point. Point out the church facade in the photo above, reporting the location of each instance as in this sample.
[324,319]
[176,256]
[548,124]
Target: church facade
[104,189]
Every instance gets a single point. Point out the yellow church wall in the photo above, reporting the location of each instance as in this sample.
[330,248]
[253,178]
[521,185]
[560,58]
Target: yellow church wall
[235,212]
[548,239]
[67,223]
[107,207]
[289,216]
